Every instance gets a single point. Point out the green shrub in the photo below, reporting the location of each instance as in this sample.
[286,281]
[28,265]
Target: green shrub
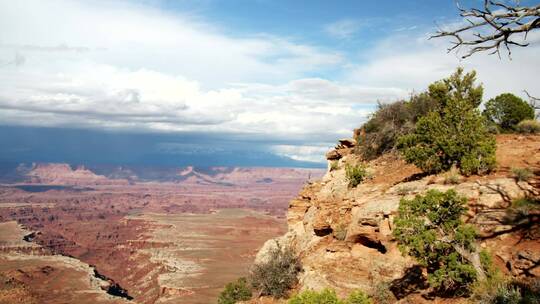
[455,135]
[380,132]
[506,291]
[529,126]
[429,228]
[328,296]
[334,165]
[522,174]
[277,274]
[390,121]
[355,174]
[234,292]
[507,294]
[358,297]
[526,203]
[507,110]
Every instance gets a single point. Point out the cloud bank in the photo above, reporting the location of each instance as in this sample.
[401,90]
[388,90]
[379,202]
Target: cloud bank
[130,67]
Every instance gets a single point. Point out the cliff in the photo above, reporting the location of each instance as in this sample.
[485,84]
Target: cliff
[344,238]
[63,174]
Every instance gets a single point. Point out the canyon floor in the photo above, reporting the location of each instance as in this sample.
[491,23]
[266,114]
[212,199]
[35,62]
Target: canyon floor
[73,236]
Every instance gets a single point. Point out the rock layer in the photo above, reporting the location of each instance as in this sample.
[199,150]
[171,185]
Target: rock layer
[344,238]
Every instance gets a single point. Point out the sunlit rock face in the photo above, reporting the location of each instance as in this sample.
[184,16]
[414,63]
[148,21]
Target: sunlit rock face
[344,235]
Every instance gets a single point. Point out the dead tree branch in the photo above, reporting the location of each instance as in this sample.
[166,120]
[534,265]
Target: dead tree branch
[497,24]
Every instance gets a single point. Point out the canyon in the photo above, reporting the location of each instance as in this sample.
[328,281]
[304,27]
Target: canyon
[147,235]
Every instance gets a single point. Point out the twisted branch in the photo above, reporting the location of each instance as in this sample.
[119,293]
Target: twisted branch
[493,26]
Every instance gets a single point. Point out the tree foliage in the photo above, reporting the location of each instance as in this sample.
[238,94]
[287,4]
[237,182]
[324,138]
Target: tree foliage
[234,292]
[507,110]
[429,228]
[459,86]
[456,134]
[389,122]
[381,132]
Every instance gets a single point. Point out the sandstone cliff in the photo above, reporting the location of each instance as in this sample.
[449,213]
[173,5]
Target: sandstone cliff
[63,174]
[344,235]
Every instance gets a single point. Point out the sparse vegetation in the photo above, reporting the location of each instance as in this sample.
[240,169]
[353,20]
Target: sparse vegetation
[505,291]
[235,291]
[522,216]
[452,177]
[326,296]
[526,203]
[382,294]
[429,228]
[381,132]
[329,296]
[358,297]
[404,190]
[355,174]
[277,274]
[529,126]
[334,165]
[454,136]
[340,232]
[507,110]
[522,174]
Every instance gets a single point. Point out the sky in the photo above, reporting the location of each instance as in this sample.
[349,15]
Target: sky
[199,81]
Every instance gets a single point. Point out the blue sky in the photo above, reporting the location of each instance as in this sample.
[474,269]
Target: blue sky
[282,78]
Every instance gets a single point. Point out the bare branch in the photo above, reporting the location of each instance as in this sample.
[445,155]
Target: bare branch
[492,26]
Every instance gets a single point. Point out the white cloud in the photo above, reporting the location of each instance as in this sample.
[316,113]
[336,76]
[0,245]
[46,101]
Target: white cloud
[343,29]
[303,153]
[116,65]
[413,63]
[139,37]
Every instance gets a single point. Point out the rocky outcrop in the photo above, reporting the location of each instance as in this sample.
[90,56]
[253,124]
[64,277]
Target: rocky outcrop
[63,174]
[344,235]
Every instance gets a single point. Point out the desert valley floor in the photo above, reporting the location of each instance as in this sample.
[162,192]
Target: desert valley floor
[69,235]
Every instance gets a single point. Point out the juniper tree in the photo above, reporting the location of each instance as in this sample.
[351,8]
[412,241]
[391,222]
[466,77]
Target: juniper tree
[429,228]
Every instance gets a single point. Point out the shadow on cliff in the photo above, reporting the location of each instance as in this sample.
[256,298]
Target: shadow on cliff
[412,282]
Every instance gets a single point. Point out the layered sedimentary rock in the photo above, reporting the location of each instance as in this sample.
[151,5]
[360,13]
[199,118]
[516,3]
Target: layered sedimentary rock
[343,235]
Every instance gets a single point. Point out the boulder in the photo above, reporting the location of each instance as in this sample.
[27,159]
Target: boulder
[333,155]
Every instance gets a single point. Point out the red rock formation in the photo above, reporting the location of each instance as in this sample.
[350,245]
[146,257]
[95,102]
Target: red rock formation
[63,174]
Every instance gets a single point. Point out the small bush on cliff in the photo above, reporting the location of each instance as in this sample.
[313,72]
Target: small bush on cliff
[522,174]
[234,292]
[326,296]
[277,274]
[329,296]
[509,292]
[529,126]
[429,228]
[382,293]
[507,110]
[355,174]
[358,297]
[456,135]
[380,133]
